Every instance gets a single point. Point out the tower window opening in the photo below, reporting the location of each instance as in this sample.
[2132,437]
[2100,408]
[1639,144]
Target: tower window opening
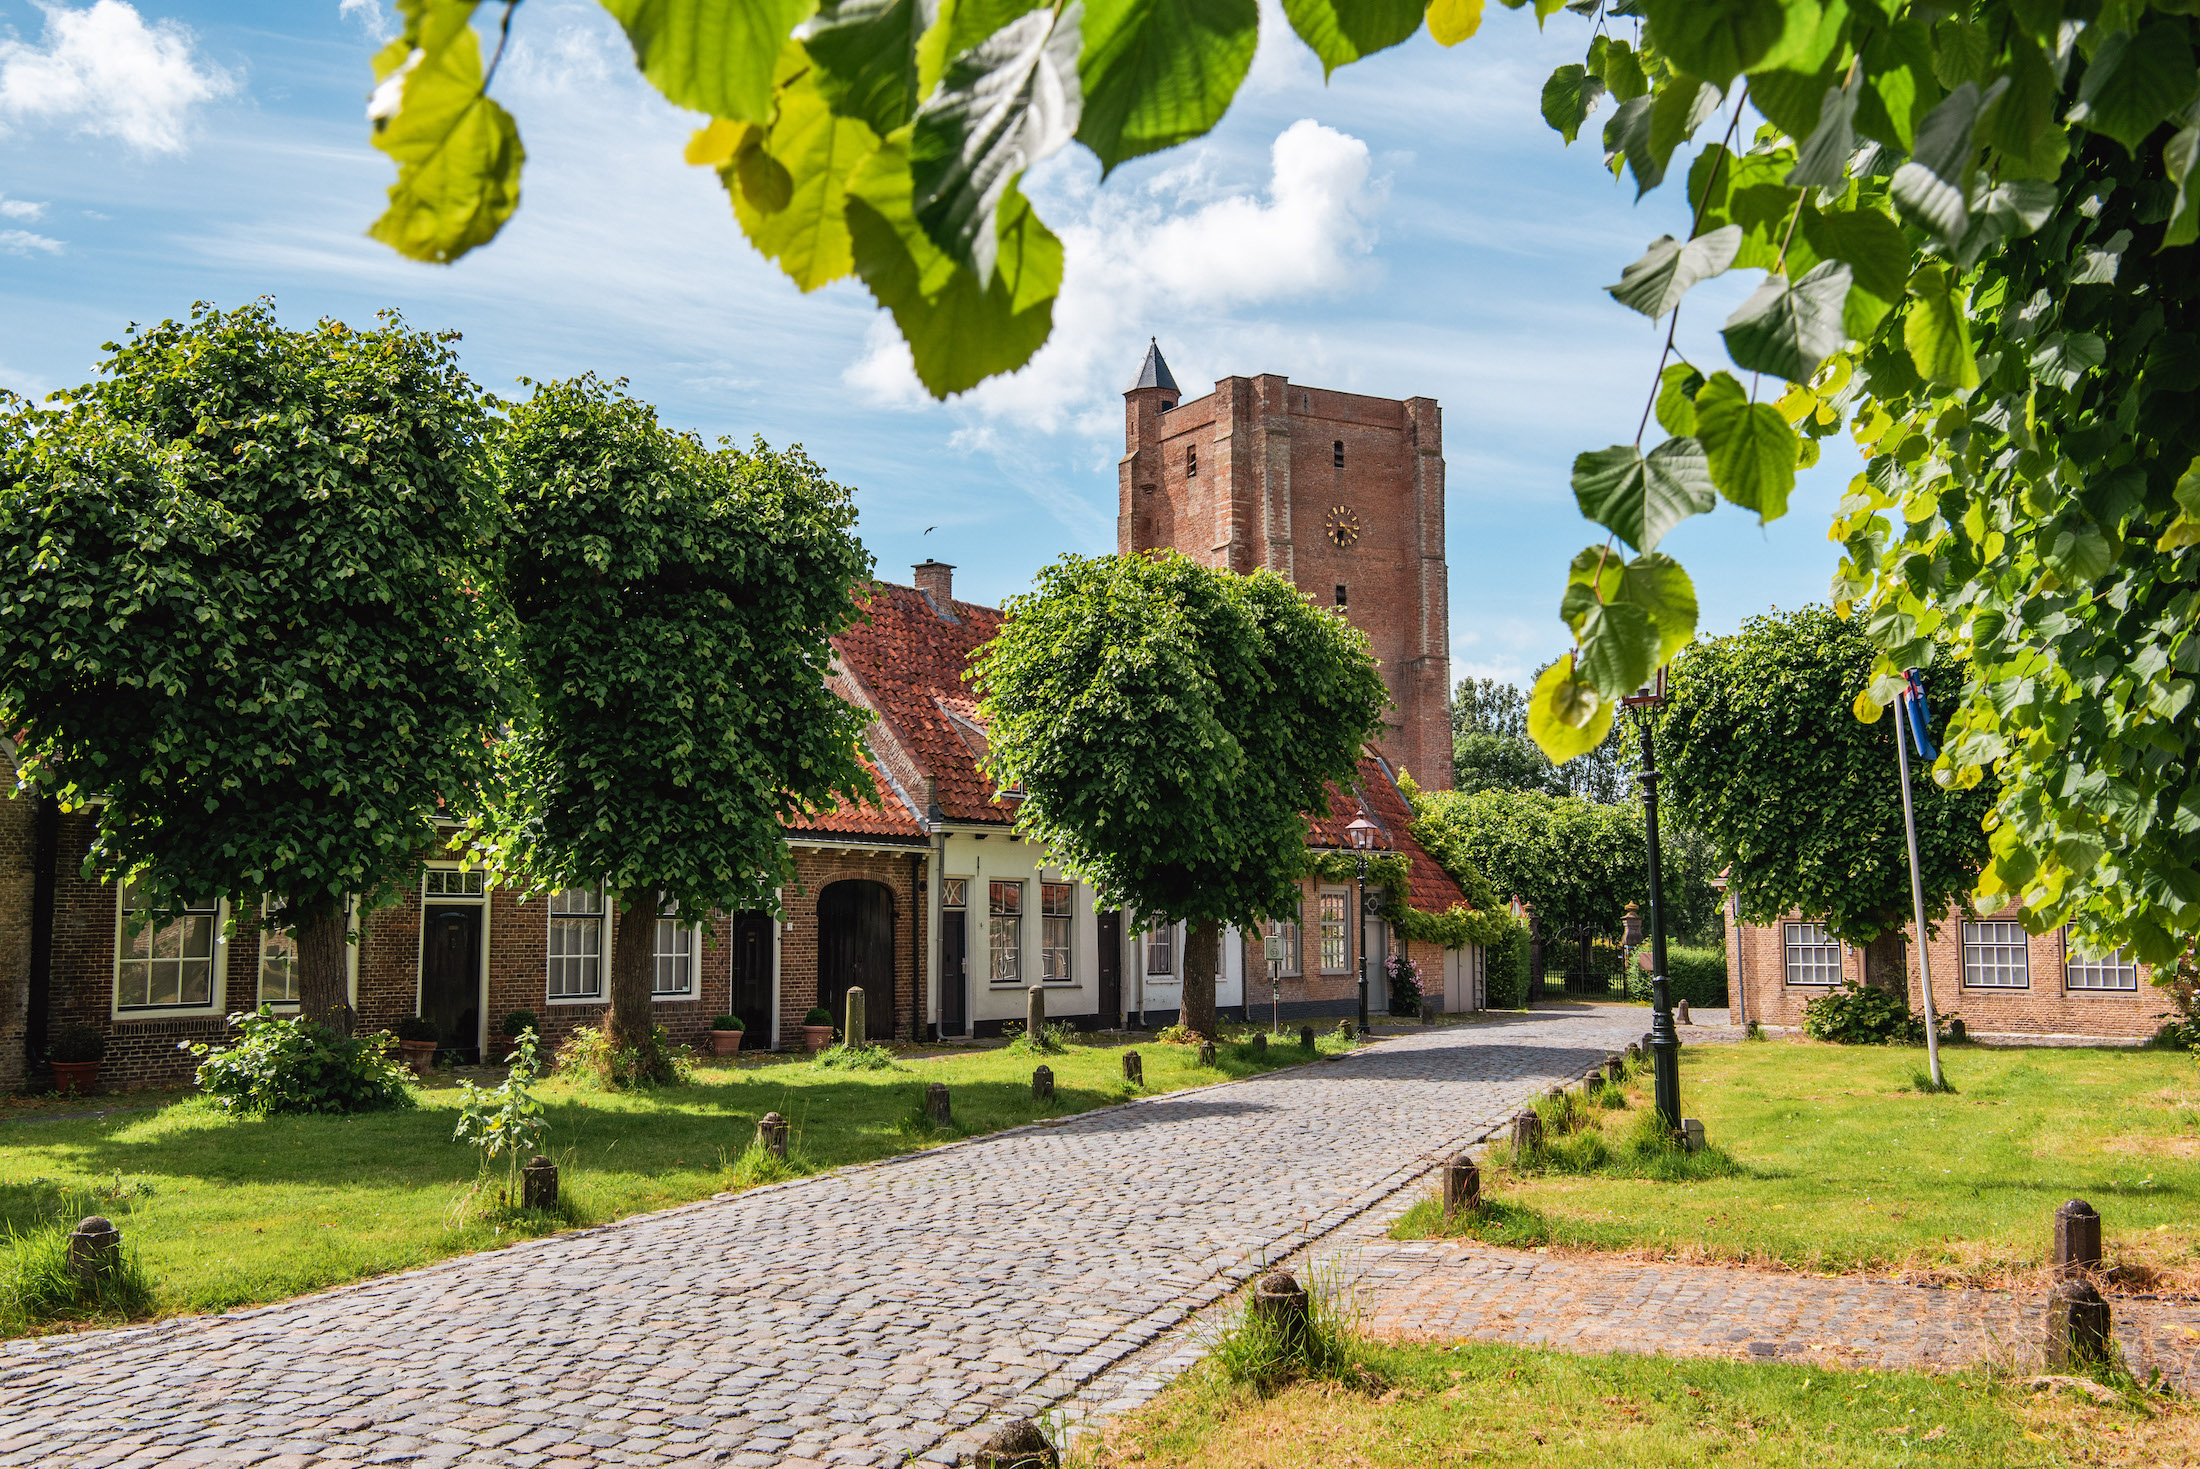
[1340,594]
[1336,453]
[1191,461]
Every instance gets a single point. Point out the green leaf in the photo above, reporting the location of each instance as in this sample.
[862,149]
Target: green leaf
[814,152]
[2179,155]
[1897,76]
[1346,30]
[2188,489]
[2062,359]
[1615,61]
[1567,716]
[1619,647]
[2022,126]
[1157,72]
[1452,21]
[960,330]
[1003,105]
[1716,39]
[1810,39]
[1750,448]
[1677,389]
[1935,331]
[1569,97]
[1933,189]
[866,52]
[1868,242]
[2009,211]
[458,153]
[1682,105]
[716,56]
[1640,498]
[1788,328]
[1823,162]
[2134,84]
[1655,284]
[1655,583]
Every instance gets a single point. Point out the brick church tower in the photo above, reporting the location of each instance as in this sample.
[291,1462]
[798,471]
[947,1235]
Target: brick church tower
[1341,495]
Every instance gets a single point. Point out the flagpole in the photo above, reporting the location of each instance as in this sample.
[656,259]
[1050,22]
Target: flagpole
[1905,712]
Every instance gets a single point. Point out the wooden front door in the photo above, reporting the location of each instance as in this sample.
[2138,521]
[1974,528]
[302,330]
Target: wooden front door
[450,976]
[954,981]
[1111,968]
[855,946]
[752,978]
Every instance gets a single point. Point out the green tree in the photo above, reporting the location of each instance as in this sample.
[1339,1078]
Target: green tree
[248,615]
[1576,863]
[1171,726]
[1760,752]
[676,605]
[1492,750]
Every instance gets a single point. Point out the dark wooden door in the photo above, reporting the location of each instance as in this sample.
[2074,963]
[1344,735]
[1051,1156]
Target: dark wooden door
[752,977]
[450,976]
[954,972]
[855,946]
[1111,968]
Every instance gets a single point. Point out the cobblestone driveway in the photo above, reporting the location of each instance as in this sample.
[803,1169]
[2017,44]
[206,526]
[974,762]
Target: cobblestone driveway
[854,1318]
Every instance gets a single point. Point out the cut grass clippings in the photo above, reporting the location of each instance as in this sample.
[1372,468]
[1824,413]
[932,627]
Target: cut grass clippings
[225,1211]
[1828,1159]
[1430,1405]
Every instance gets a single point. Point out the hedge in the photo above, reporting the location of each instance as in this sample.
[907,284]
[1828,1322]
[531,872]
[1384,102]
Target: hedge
[1695,975]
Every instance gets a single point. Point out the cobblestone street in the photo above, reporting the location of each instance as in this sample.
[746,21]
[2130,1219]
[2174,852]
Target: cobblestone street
[853,1318]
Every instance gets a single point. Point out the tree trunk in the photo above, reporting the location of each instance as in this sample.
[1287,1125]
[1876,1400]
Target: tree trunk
[1885,967]
[630,1023]
[324,991]
[1202,943]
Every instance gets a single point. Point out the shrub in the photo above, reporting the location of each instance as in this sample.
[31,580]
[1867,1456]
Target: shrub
[286,1063]
[589,1057]
[818,1015]
[1507,963]
[728,1022]
[1695,975]
[75,1041]
[1405,984]
[1055,1038]
[519,1022]
[1178,1035]
[504,1121]
[1856,1015]
[417,1028]
[845,1057]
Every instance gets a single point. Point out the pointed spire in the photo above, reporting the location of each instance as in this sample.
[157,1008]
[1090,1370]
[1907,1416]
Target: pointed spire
[1153,372]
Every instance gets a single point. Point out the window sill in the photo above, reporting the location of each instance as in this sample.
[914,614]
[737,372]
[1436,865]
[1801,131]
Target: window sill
[1997,989]
[576,1000]
[169,1012]
[685,999]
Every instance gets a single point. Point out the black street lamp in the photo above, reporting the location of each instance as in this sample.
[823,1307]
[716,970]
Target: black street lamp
[1362,831]
[1665,1041]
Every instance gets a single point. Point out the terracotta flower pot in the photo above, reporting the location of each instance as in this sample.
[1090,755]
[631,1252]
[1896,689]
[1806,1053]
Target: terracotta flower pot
[816,1037]
[80,1077]
[725,1042]
[420,1056]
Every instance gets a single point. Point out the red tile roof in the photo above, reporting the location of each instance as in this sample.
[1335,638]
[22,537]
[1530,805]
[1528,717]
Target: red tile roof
[910,660]
[889,817]
[1428,887]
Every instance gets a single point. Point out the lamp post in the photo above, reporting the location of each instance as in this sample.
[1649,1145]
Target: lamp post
[1362,831]
[1272,950]
[1665,1041]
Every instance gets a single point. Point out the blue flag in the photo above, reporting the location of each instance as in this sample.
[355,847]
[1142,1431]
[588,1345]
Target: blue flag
[1913,704]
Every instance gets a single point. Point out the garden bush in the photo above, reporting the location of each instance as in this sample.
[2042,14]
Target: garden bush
[1506,987]
[1692,974]
[1054,1038]
[1855,1015]
[728,1022]
[590,1057]
[75,1041]
[518,1023]
[1405,984]
[286,1063]
[845,1057]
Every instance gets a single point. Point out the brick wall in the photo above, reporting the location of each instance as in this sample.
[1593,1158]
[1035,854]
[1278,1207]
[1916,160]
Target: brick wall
[18,848]
[815,869]
[1757,959]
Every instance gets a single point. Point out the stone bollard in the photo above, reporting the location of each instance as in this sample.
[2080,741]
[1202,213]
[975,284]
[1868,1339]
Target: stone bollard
[1634,1051]
[851,1030]
[935,1105]
[771,1135]
[1615,1071]
[538,1184]
[1429,1009]
[1958,1033]
[1462,1186]
[1134,1070]
[1646,1043]
[1306,1037]
[1680,1013]
[1260,1043]
[1035,1014]
[1280,1300]
[1206,1053]
[95,1249]
[1018,1445]
[1527,1133]
[2077,1240]
[2077,1326]
[1042,1084]
[1691,1135]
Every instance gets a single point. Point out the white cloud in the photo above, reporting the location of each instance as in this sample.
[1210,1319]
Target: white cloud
[20,208]
[373,16]
[107,73]
[23,242]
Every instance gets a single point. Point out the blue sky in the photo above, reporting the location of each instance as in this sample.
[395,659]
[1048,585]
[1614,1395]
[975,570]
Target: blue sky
[1411,228]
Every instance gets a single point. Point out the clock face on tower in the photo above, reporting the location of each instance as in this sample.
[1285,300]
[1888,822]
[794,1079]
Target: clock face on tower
[1342,526]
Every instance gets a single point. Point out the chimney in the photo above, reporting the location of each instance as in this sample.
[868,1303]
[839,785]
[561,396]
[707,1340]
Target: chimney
[936,579]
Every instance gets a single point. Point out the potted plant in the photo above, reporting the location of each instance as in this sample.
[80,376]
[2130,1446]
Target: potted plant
[74,1051]
[725,1035]
[418,1039]
[817,1029]
[516,1024]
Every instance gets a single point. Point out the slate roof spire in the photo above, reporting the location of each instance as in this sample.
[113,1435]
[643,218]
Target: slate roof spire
[1153,372]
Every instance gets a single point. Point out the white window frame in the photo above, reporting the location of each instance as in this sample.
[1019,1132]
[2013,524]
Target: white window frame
[668,917]
[1810,957]
[272,936]
[995,919]
[1160,949]
[2115,973]
[217,983]
[553,958]
[1987,947]
[1058,961]
[274,943]
[1337,928]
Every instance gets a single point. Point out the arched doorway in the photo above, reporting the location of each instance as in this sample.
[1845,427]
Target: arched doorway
[855,946]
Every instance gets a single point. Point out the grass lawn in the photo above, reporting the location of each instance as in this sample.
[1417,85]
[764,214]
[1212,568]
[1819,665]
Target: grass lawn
[228,1212]
[1439,1407]
[1835,1163]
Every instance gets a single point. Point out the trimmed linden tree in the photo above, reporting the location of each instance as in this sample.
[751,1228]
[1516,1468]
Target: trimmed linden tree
[247,616]
[676,606]
[1170,726]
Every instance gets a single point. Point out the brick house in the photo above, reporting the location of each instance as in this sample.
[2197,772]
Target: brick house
[2003,982]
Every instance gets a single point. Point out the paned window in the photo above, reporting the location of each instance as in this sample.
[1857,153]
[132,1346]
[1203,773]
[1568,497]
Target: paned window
[167,964]
[1336,946]
[576,944]
[1191,461]
[1055,922]
[1005,932]
[2115,970]
[1336,453]
[1161,949]
[1813,957]
[446,882]
[955,892]
[1996,956]
[1289,932]
[278,960]
[675,954]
